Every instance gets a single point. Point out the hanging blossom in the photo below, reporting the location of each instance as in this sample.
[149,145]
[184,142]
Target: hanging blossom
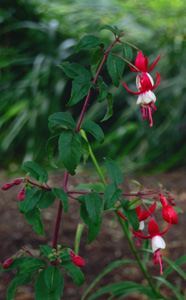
[168,212]
[157,242]
[146,98]
[141,63]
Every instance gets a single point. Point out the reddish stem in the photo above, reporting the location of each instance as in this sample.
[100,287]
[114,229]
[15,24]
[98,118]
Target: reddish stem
[124,194]
[38,185]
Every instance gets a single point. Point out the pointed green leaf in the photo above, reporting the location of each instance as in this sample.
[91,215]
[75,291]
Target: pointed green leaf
[36,171]
[32,265]
[61,119]
[80,88]
[94,129]
[46,199]
[131,215]
[171,286]
[111,195]
[108,27]
[50,146]
[94,204]
[74,70]
[96,60]
[115,67]
[85,149]
[88,42]
[52,278]
[127,52]
[34,218]
[62,195]
[70,149]
[134,203]
[109,111]
[75,272]
[30,201]
[46,250]
[96,187]
[114,171]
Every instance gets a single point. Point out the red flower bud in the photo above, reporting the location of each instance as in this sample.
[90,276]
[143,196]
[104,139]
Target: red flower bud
[156,197]
[7,186]
[163,200]
[78,261]
[21,195]
[17,181]
[7,263]
[169,214]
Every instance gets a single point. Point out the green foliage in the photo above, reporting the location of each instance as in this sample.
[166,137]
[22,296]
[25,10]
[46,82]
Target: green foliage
[74,272]
[34,218]
[94,129]
[115,68]
[80,88]
[113,171]
[130,214]
[74,70]
[62,195]
[111,195]
[88,42]
[36,171]
[94,204]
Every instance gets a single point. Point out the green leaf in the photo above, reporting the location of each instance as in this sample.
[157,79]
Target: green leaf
[80,88]
[52,278]
[36,171]
[75,272]
[109,111]
[96,187]
[114,171]
[94,129]
[46,199]
[94,204]
[111,195]
[62,195]
[70,149]
[134,203]
[34,218]
[32,265]
[172,287]
[61,119]
[108,27]
[115,68]
[50,146]
[174,266]
[146,254]
[46,250]
[110,267]
[103,92]
[127,52]
[131,214]
[42,291]
[85,149]
[96,60]
[74,70]
[32,197]
[88,42]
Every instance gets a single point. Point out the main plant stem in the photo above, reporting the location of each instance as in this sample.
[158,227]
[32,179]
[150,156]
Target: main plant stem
[60,208]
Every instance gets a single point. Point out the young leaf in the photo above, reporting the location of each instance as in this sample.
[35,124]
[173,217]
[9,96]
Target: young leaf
[96,60]
[111,195]
[74,70]
[32,197]
[34,218]
[94,204]
[70,149]
[131,215]
[62,195]
[75,272]
[94,129]
[88,42]
[115,68]
[114,171]
[80,88]
[127,52]
[46,199]
[36,171]
[61,119]
[109,111]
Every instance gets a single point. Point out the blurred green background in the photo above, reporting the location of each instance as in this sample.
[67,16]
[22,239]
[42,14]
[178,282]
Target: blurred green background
[36,35]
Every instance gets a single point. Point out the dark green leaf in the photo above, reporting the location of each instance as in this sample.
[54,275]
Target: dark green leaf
[131,215]
[96,187]
[134,203]
[52,278]
[50,146]
[111,195]
[46,199]
[32,197]
[61,119]
[93,231]
[75,272]
[175,267]
[114,171]
[74,70]
[36,171]
[115,67]
[146,254]
[96,60]
[70,149]
[62,195]
[103,92]
[46,250]
[109,111]
[34,218]
[94,129]
[127,52]
[94,204]
[88,42]
[80,88]
[85,150]
[32,265]
[171,286]
[65,256]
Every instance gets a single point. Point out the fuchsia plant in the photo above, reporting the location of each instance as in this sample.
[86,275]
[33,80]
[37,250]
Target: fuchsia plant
[72,142]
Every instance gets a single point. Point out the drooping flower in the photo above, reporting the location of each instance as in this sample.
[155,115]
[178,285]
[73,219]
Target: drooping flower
[157,242]
[146,97]
[141,63]
[168,212]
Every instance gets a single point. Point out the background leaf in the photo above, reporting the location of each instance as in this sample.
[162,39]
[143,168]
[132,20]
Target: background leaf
[74,70]
[88,42]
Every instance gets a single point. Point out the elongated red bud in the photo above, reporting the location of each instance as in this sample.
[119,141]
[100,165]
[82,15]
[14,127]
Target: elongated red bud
[7,263]
[21,195]
[7,186]
[78,261]
[17,181]
[169,214]
[163,200]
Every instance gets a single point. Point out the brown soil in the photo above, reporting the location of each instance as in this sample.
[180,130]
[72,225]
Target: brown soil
[110,244]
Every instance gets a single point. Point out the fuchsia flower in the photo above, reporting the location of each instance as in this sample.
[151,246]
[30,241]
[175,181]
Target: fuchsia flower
[157,241]
[141,63]
[168,212]
[146,97]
